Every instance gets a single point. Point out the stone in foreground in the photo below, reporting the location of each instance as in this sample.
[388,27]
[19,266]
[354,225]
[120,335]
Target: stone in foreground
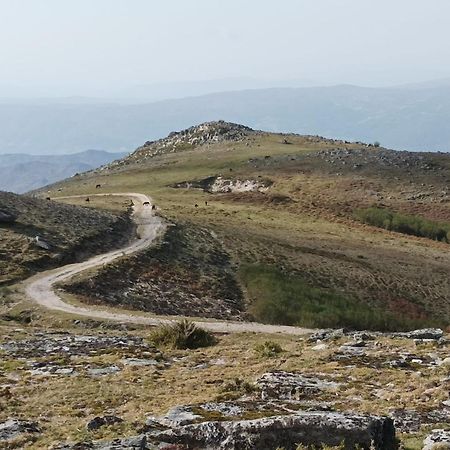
[307,428]
[438,439]
[12,428]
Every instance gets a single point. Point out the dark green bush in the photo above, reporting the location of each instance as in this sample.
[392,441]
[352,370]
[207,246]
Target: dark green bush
[182,335]
[286,299]
[402,223]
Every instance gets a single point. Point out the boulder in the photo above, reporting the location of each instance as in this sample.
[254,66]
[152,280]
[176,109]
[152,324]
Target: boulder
[133,443]
[307,428]
[326,335]
[425,333]
[437,440]
[13,428]
[282,385]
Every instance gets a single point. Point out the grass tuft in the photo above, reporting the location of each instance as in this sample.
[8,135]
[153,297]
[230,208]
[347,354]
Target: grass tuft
[182,335]
[268,349]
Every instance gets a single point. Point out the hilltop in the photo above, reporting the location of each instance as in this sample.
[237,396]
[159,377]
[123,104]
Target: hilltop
[311,231]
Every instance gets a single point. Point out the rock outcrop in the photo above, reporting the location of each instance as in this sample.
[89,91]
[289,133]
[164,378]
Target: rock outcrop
[219,184]
[307,428]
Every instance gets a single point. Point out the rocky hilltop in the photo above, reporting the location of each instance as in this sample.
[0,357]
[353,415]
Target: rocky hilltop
[205,133]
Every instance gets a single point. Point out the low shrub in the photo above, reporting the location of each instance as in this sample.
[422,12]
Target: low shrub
[182,335]
[232,390]
[268,349]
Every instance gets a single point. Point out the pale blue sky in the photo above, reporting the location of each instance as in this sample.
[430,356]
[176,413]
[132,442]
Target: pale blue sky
[89,46]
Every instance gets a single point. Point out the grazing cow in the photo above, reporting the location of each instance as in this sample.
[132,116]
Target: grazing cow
[98,186]
[87,199]
[146,203]
[196,205]
[47,198]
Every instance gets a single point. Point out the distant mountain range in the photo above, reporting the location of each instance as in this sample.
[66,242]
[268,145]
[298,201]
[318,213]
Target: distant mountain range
[414,117]
[20,173]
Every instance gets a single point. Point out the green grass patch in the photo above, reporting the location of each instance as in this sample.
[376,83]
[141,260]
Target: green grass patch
[402,223]
[285,299]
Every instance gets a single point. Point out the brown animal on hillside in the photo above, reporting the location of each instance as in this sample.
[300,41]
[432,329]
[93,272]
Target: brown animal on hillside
[98,186]
[87,199]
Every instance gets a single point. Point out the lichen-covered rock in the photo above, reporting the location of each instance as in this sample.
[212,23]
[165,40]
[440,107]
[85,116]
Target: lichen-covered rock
[326,335]
[179,415]
[426,333]
[13,428]
[282,385]
[133,443]
[437,440]
[411,421]
[307,428]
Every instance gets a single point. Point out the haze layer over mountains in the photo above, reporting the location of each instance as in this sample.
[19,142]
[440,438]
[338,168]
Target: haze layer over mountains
[414,117]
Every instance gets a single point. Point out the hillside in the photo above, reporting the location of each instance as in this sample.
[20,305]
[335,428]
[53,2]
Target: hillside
[284,229]
[293,221]
[66,234]
[413,117]
[21,173]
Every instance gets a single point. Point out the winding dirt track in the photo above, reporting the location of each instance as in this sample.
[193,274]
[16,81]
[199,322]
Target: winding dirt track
[39,288]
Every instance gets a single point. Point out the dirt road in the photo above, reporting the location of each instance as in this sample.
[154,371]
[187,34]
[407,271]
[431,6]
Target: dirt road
[39,288]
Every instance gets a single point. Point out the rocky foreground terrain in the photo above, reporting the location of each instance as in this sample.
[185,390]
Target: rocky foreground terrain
[107,387]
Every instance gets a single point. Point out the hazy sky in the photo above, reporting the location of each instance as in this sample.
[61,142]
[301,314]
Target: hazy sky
[86,46]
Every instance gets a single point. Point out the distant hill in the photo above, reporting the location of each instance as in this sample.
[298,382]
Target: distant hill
[404,117]
[22,172]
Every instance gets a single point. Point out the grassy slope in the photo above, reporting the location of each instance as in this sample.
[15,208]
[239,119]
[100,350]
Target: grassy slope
[73,233]
[313,236]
